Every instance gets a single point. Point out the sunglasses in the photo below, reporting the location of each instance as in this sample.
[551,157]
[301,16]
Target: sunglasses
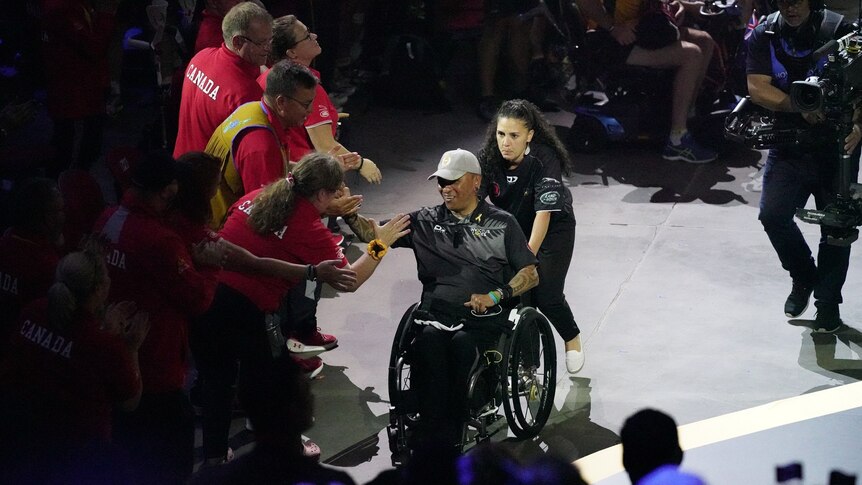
[446,182]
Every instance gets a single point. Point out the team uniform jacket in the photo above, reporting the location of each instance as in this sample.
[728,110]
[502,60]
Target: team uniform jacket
[303,240]
[73,378]
[216,82]
[150,264]
[27,264]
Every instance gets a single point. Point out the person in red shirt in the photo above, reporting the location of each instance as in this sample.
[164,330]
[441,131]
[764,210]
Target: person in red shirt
[218,80]
[69,363]
[292,41]
[29,250]
[280,221]
[150,264]
[209,31]
[198,175]
[252,141]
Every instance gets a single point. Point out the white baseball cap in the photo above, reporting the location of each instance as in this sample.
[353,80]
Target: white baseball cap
[455,163]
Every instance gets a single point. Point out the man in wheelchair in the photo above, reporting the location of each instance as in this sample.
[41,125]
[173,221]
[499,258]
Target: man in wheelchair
[472,260]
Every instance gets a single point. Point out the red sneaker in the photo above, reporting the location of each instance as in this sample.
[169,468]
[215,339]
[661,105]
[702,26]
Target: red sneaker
[314,342]
[338,238]
[310,367]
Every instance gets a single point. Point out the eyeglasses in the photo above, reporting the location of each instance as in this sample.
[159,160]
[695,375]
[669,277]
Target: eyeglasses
[263,45]
[305,105]
[300,41]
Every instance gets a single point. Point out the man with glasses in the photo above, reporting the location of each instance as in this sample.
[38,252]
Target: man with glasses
[218,80]
[781,51]
[252,142]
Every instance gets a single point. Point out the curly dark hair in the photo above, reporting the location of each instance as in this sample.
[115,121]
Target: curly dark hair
[489,155]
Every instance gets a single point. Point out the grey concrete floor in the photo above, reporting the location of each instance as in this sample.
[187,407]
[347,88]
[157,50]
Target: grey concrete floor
[673,283]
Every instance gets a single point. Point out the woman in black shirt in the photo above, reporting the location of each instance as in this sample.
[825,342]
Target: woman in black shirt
[523,162]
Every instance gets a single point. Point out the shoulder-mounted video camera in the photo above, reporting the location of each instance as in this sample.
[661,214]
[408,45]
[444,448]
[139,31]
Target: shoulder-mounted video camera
[833,92]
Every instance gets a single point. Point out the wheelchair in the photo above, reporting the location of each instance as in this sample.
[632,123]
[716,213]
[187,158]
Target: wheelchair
[519,374]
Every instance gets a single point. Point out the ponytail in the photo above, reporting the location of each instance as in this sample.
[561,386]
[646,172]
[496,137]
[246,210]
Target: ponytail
[77,277]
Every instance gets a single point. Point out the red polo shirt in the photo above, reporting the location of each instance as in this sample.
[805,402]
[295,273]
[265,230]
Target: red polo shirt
[216,82]
[323,112]
[303,240]
[257,153]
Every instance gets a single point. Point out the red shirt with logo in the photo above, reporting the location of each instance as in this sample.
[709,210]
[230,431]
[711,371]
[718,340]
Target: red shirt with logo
[72,378]
[258,155]
[323,112]
[303,240]
[150,264]
[216,82]
[27,265]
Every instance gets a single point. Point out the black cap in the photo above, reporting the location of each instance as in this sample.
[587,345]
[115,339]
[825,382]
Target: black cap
[155,172]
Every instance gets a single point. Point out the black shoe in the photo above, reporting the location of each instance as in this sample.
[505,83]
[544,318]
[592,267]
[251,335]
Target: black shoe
[797,300]
[827,319]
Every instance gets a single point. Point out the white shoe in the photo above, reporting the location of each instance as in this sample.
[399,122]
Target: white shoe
[575,360]
[310,448]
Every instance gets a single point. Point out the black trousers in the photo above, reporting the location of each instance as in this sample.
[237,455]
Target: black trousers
[787,185]
[230,333]
[298,312]
[445,360]
[554,257]
[159,438]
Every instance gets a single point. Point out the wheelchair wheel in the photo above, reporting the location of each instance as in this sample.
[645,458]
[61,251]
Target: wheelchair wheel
[402,400]
[531,374]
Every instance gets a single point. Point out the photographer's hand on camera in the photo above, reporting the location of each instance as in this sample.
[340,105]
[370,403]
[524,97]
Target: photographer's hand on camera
[853,138]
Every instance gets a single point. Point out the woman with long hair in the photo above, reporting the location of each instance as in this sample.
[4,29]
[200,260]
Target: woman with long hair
[292,40]
[279,221]
[523,162]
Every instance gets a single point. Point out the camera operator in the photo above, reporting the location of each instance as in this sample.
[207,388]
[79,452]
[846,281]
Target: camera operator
[780,52]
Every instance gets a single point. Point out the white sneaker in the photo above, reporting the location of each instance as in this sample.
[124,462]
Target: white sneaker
[575,360]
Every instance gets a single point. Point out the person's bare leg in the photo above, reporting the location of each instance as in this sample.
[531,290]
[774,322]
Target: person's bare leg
[685,57]
[707,46]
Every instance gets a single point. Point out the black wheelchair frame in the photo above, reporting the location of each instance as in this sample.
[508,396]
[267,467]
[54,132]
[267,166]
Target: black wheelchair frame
[524,384]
